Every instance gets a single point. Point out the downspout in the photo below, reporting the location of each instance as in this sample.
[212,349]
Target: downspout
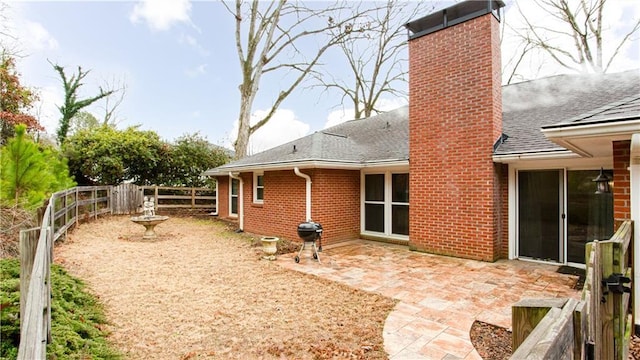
[634,170]
[240,201]
[308,192]
[215,213]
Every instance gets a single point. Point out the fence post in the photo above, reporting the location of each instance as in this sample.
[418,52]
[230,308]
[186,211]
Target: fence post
[28,247]
[76,208]
[527,313]
[48,293]
[52,216]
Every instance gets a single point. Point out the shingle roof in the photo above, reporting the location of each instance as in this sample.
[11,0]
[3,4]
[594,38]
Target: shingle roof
[562,100]
[381,138]
[627,108]
[531,105]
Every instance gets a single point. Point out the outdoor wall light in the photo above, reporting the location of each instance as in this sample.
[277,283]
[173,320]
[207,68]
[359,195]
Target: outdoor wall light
[602,183]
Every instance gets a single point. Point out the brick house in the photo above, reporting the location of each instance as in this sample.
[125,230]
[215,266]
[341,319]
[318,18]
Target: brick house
[469,168]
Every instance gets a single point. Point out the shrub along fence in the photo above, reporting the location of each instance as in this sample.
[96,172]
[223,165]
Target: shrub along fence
[597,327]
[65,209]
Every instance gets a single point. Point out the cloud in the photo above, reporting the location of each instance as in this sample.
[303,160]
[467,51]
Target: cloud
[193,42]
[20,34]
[37,36]
[161,14]
[196,71]
[282,128]
[339,116]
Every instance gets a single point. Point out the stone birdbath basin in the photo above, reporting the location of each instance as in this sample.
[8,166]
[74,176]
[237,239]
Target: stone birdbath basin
[149,222]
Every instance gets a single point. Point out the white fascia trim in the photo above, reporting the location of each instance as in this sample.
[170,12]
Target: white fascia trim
[307,164]
[557,154]
[563,136]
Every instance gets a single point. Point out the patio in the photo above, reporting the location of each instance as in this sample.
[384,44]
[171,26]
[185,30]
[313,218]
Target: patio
[440,297]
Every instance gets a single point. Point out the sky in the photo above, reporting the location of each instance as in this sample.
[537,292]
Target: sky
[179,63]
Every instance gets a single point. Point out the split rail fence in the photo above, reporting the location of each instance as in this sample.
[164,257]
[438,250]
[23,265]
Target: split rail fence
[65,209]
[599,326]
[128,198]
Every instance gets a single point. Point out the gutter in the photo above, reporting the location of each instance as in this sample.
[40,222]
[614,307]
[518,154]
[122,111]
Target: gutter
[553,154]
[308,192]
[304,164]
[240,201]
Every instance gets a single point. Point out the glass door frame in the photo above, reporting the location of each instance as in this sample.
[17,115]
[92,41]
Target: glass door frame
[562,221]
[589,164]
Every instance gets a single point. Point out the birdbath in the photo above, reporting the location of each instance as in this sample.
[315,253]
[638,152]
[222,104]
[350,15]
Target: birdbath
[149,222]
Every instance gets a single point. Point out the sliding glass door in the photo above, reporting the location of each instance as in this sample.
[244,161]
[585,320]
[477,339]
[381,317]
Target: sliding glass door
[589,215]
[540,214]
[554,227]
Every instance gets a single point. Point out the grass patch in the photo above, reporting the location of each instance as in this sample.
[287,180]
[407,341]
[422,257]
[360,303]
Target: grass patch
[78,321]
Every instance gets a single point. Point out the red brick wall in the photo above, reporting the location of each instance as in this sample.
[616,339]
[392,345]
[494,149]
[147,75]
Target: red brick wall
[455,116]
[283,208]
[622,181]
[502,219]
[335,203]
[223,196]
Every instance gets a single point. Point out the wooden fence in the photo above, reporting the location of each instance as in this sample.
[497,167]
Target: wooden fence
[128,198]
[597,327]
[65,209]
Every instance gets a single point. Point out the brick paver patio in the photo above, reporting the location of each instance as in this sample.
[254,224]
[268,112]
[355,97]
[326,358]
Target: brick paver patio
[439,297]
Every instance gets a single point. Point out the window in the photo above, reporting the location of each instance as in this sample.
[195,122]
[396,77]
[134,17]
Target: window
[400,204]
[374,202]
[258,188]
[386,203]
[233,197]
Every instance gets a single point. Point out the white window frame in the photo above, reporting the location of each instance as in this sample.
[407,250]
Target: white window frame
[256,187]
[231,196]
[388,203]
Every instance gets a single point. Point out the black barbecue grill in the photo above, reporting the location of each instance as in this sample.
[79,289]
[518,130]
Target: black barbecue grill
[310,232]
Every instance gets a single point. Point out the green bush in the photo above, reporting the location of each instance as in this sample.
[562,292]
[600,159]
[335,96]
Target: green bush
[78,319]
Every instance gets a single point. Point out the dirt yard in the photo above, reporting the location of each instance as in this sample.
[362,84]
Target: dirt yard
[201,291]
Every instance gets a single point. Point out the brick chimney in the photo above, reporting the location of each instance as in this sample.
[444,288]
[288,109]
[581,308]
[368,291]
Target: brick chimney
[455,118]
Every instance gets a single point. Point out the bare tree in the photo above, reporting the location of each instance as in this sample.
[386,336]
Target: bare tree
[579,23]
[113,101]
[269,39]
[377,62]
[7,39]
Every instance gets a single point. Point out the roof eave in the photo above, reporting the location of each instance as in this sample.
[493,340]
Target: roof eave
[565,136]
[305,164]
[534,155]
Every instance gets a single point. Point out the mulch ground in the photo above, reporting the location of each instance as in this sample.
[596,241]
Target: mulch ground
[202,291]
[494,342]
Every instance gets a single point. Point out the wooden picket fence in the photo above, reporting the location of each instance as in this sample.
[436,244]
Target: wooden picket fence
[597,327]
[65,209]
